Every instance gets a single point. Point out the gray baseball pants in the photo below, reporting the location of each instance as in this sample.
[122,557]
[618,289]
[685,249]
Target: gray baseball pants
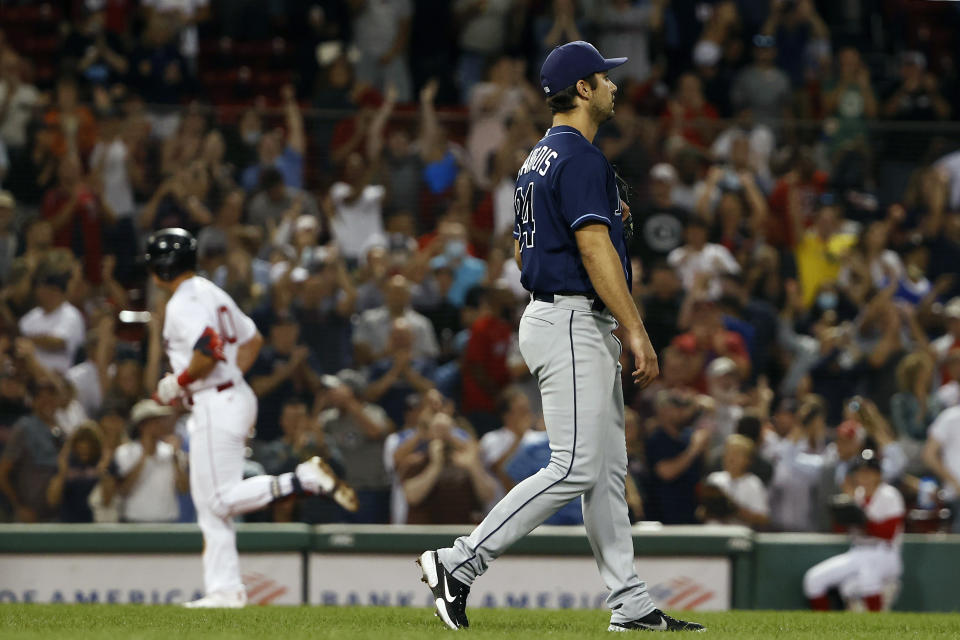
[575,357]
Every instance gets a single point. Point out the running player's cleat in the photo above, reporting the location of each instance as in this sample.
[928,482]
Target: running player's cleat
[220,600]
[317,477]
[656,620]
[449,594]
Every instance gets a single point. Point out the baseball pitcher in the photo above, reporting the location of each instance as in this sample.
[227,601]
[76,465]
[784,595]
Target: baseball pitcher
[570,244]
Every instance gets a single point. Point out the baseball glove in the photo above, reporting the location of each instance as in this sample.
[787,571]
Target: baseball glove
[623,190]
[845,511]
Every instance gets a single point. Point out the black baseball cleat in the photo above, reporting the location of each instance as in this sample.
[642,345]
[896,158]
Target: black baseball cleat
[656,620]
[449,594]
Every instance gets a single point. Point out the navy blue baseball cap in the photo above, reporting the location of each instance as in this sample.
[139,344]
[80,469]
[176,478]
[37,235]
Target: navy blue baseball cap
[570,62]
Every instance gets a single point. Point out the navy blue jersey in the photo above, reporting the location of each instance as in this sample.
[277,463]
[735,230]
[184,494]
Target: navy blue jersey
[564,184]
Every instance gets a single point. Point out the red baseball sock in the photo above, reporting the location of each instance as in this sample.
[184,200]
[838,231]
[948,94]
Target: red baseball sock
[820,603]
[874,602]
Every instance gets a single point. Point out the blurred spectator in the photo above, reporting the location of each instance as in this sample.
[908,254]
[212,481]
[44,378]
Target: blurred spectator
[354,208]
[747,145]
[215,238]
[661,222]
[723,387]
[795,200]
[755,319]
[392,151]
[114,172]
[449,485]
[661,305]
[745,492]
[434,302]
[399,374]
[283,150]
[674,457]
[732,200]
[179,202]
[71,129]
[802,37]
[82,465]
[408,445]
[942,455]
[948,395]
[627,29]
[381,34]
[372,330]
[485,365]
[29,460]
[358,428]
[915,98]
[484,34]
[700,261]
[441,158]
[943,345]
[18,99]
[708,340]
[13,392]
[848,101]
[54,326]
[688,115]
[280,374]
[160,73]
[451,245]
[277,202]
[183,17]
[150,470]
[689,162]
[372,277]
[497,447]
[637,471]
[323,306]
[493,104]
[78,214]
[877,264]
[242,140]
[914,406]
[762,87]
[797,475]
[820,250]
[97,52]
[8,234]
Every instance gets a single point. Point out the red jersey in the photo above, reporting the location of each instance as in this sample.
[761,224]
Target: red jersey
[83,232]
[489,344]
[779,225]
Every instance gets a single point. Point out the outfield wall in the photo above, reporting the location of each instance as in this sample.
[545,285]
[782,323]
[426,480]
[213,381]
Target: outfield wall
[699,567]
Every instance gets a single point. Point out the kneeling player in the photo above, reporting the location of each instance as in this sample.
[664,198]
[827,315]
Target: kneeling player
[874,557]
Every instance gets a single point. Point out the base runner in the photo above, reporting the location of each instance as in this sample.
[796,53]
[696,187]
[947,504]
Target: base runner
[210,343]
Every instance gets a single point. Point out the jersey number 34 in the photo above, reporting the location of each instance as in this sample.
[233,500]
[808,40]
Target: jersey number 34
[523,208]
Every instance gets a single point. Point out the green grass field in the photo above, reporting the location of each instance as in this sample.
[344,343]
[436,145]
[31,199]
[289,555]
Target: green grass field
[115,622]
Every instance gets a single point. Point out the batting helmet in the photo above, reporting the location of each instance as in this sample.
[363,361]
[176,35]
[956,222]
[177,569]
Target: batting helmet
[171,252]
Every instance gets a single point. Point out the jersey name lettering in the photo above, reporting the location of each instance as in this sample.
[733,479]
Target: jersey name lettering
[538,160]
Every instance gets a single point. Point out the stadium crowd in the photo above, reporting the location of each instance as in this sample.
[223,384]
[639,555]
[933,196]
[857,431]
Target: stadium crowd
[348,169]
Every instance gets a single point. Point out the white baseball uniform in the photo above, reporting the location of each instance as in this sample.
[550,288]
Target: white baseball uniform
[874,557]
[224,411]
